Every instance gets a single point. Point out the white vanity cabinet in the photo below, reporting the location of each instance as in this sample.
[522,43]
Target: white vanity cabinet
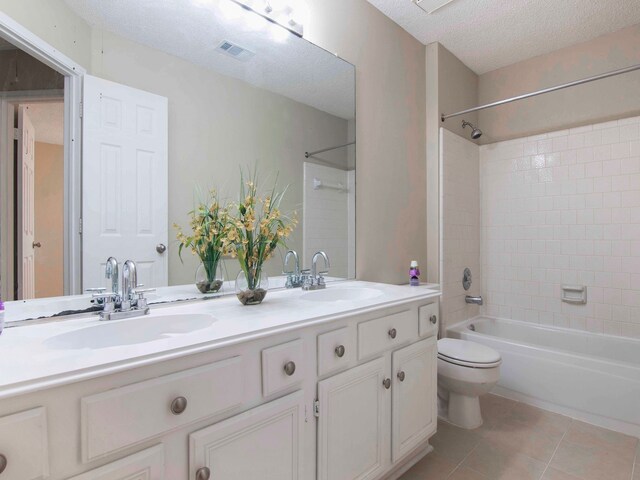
[348,396]
[375,414]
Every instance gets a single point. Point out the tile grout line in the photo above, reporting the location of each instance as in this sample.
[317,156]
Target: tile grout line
[465,457]
[556,449]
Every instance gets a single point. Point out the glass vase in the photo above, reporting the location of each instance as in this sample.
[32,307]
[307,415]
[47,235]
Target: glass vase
[252,290]
[209,277]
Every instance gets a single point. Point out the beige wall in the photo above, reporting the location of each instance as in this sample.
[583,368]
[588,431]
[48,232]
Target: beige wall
[55,23]
[602,100]
[49,221]
[390,129]
[450,86]
[216,125]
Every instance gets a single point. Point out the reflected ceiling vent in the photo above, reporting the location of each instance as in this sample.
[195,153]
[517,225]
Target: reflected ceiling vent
[235,51]
[432,6]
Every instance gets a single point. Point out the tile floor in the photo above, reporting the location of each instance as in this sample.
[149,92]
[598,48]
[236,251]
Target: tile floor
[521,442]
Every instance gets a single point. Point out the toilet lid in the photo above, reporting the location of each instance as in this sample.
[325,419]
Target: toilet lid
[464,352]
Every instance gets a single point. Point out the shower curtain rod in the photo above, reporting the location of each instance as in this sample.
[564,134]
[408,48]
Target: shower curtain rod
[613,73]
[311,154]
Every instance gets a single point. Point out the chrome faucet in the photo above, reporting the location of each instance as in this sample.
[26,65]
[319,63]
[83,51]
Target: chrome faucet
[111,272]
[128,303]
[314,280]
[293,277]
[129,284]
[474,300]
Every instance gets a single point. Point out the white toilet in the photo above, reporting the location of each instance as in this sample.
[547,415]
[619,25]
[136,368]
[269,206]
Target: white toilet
[466,370]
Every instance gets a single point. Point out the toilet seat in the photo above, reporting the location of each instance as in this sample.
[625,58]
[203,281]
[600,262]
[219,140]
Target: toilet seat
[467,354]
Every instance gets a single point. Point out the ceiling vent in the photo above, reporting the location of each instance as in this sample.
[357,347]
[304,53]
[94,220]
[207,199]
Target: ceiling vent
[235,51]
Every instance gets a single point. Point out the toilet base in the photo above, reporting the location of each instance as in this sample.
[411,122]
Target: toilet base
[463,411]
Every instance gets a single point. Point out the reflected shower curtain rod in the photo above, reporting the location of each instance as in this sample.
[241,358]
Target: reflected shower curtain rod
[613,73]
[311,154]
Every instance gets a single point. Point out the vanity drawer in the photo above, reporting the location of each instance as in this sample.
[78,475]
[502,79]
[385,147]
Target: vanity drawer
[23,445]
[429,319]
[376,336]
[336,349]
[125,416]
[282,367]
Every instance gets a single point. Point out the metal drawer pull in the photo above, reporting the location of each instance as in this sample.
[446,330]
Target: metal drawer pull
[3,463]
[289,368]
[340,351]
[401,376]
[433,319]
[393,333]
[387,383]
[203,473]
[179,405]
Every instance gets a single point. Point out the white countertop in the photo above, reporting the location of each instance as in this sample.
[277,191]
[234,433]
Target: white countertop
[28,361]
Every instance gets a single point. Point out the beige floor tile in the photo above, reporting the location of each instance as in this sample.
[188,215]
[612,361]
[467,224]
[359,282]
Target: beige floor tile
[453,442]
[591,462]
[500,463]
[553,474]
[494,408]
[530,441]
[614,443]
[431,467]
[527,416]
[467,474]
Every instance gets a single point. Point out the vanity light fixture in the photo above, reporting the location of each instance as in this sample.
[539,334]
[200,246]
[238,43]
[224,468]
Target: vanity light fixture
[279,12]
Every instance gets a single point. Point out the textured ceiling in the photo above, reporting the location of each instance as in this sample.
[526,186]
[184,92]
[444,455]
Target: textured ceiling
[48,121]
[489,34]
[192,29]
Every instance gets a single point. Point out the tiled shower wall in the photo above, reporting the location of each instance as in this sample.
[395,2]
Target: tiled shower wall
[460,225]
[564,208]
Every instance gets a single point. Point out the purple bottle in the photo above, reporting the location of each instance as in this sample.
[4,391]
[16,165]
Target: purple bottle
[414,274]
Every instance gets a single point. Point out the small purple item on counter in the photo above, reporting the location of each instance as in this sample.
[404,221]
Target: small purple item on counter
[414,274]
[1,316]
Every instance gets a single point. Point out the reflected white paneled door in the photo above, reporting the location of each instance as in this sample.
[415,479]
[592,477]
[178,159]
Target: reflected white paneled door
[26,208]
[124,181]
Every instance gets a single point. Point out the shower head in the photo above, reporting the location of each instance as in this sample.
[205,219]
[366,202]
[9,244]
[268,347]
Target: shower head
[475,132]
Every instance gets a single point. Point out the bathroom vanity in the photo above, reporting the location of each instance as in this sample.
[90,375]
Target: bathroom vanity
[336,384]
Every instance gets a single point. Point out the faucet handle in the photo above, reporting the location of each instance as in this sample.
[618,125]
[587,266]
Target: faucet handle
[107,300]
[141,302]
[95,290]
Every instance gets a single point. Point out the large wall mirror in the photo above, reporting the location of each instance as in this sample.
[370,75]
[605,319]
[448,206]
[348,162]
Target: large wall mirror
[179,96]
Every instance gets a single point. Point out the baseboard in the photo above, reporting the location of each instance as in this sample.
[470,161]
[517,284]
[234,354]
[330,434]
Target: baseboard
[413,458]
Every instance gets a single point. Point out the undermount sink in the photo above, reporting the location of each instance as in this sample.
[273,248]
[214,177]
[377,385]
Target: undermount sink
[336,294]
[131,331]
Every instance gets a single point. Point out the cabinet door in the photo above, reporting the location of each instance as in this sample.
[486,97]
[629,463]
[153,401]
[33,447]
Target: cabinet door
[261,444]
[354,423]
[415,411]
[145,465]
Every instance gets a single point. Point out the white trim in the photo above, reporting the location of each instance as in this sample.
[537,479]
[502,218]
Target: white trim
[41,50]
[6,203]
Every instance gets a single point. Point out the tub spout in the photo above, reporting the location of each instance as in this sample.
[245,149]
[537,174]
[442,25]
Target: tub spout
[473,300]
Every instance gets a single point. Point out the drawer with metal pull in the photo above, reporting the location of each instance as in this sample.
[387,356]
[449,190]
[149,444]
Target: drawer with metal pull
[128,415]
[336,350]
[378,335]
[24,453]
[428,317]
[282,367]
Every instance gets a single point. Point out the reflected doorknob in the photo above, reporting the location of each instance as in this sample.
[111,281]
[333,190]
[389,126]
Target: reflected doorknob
[161,248]
[3,463]
[203,474]
[36,245]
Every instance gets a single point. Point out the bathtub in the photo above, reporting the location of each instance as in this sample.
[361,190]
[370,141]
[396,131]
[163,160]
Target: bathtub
[591,377]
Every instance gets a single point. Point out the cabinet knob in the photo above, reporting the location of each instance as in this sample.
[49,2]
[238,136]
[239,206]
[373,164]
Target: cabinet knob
[179,405]
[387,383]
[433,319]
[203,473]
[393,333]
[340,351]
[3,463]
[289,368]
[401,376]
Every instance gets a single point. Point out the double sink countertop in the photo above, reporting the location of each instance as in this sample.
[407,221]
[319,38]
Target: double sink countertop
[65,350]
